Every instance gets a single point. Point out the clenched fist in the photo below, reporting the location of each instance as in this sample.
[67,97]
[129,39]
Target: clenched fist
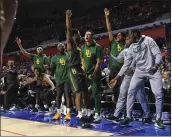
[68,13]
[107,12]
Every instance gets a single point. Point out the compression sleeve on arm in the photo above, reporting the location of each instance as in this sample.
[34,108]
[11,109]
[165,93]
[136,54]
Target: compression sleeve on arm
[119,58]
[126,64]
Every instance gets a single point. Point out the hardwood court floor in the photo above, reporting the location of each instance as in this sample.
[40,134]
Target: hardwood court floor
[17,127]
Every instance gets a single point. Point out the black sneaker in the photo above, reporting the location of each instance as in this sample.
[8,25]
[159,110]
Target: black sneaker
[126,122]
[35,110]
[147,120]
[159,123]
[113,119]
[91,118]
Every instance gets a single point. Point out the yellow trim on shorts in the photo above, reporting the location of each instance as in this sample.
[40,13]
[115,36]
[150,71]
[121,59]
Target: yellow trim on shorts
[73,83]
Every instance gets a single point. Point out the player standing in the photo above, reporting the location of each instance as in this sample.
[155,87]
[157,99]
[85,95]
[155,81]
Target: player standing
[75,72]
[39,59]
[122,99]
[116,47]
[59,67]
[92,56]
[147,56]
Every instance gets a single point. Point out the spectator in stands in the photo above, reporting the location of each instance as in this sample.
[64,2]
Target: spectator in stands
[167,86]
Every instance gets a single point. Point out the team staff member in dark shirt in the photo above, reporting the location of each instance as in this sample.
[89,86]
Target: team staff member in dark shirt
[10,96]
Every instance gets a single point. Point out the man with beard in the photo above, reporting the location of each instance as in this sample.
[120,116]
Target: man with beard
[59,67]
[40,60]
[147,57]
[92,56]
[75,72]
[122,99]
[116,47]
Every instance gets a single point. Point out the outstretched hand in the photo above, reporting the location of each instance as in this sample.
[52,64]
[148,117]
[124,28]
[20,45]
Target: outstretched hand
[107,12]
[68,13]
[18,40]
[112,83]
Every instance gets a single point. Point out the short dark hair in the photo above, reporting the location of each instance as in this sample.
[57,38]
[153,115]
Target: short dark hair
[39,47]
[90,32]
[123,34]
[137,31]
[74,31]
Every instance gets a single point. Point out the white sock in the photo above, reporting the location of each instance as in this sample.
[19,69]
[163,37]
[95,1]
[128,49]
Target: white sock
[45,106]
[157,117]
[88,112]
[36,106]
[68,110]
[58,110]
[50,109]
[79,114]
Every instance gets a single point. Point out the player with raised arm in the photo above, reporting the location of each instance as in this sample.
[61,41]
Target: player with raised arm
[147,56]
[76,74]
[116,46]
[39,59]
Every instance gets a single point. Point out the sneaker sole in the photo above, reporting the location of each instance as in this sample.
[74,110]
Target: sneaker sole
[130,124]
[156,125]
[115,122]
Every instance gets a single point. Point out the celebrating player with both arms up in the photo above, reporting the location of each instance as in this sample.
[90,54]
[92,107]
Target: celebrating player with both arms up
[79,68]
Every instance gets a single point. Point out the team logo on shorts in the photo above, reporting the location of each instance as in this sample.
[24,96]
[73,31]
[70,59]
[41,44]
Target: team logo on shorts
[74,71]
[88,53]
[62,61]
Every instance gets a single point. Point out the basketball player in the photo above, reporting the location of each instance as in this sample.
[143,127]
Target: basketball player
[92,56]
[122,99]
[8,9]
[147,56]
[116,47]
[40,60]
[59,67]
[75,72]
[44,89]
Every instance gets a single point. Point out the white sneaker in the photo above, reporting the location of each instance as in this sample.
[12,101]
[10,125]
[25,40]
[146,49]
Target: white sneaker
[2,108]
[79,116]
[97,118]
[49,113]
[84,112]
[13,108]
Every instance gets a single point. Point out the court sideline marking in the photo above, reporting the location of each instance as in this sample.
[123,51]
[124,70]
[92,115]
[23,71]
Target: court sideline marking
[11,132]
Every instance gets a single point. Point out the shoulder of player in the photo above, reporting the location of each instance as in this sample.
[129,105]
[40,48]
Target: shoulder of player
[97,45]
[147,38]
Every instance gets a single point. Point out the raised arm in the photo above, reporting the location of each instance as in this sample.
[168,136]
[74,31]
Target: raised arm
[68,28]
[24,52]
[108,25]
